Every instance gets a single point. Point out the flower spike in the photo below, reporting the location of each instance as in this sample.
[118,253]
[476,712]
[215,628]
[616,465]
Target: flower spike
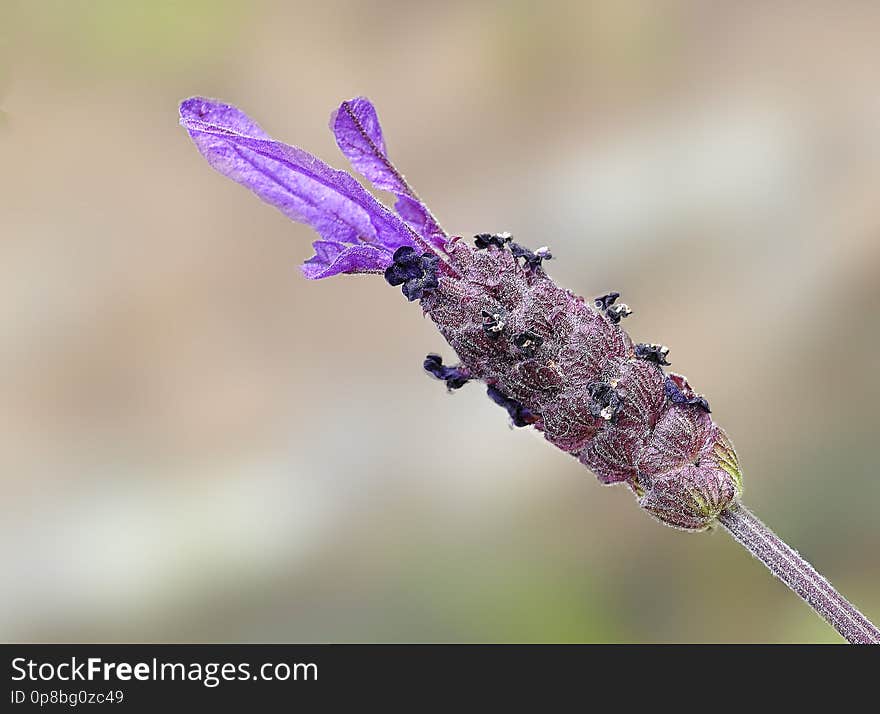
[355,124]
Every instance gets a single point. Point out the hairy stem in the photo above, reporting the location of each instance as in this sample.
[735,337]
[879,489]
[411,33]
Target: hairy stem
[787,565]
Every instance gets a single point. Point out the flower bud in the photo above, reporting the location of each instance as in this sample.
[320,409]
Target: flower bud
[691,496]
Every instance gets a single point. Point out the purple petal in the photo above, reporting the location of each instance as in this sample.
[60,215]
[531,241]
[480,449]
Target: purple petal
[334,258]
[359,136]
[415,214]
[302,186]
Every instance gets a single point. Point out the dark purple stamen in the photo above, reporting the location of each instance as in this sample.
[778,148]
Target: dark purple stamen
[519,413]
[531,258]
[406,266]
[612,311]
[415,272]
[652,353]
[528,342]
[455,377]
[494,321]
[605,402]
[677,396]
[605,301]
[484,240]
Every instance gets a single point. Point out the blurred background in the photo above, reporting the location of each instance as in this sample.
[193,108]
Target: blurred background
[197,444]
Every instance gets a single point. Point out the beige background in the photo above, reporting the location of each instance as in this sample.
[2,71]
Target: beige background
[197,444]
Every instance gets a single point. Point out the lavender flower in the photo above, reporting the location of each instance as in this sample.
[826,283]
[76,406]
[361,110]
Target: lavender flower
[455,377]
[550,359]
[415,272]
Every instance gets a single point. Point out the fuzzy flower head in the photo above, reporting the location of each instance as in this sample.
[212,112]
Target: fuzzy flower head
[550,359]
